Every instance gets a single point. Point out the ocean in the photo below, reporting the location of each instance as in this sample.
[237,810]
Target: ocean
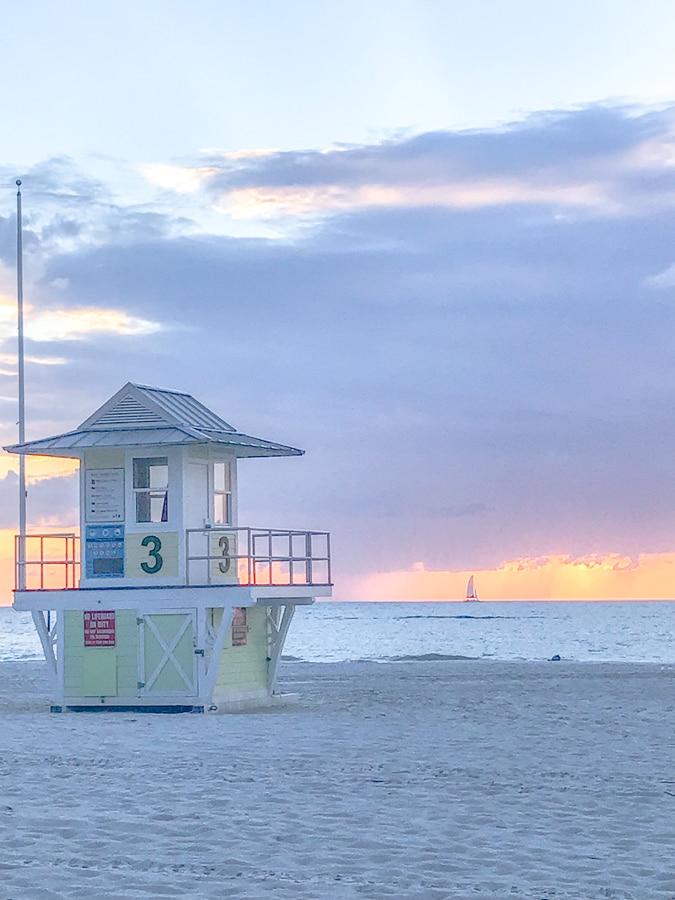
[609,631]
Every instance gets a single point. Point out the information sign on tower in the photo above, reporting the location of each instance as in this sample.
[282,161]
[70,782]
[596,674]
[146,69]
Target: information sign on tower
[104,495]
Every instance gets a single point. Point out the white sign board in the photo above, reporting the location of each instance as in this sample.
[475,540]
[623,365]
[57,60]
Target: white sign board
[104,495]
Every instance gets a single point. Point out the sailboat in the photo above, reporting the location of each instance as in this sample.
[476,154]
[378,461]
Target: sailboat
[471,594]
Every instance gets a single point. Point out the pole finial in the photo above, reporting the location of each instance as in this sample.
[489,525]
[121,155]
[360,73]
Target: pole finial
[18,182]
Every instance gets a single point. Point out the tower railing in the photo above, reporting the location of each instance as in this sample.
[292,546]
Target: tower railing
[257,556]
[50,562]
[213,556]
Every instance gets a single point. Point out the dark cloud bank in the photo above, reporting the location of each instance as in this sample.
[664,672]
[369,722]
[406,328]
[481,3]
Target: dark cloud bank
[471,384]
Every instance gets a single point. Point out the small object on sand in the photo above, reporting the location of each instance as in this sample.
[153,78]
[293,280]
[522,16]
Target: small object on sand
[555,658]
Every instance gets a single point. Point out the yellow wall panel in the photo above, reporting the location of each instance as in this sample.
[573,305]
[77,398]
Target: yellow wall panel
[151,554]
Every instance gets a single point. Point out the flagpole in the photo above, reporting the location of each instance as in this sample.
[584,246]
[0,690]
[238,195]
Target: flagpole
[21,580]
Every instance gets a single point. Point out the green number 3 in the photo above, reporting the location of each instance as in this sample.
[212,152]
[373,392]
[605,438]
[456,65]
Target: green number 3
[157,563]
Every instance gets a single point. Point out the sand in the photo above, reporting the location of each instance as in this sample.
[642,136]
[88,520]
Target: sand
[444,779]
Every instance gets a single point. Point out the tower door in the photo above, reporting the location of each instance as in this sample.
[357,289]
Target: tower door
[167,663]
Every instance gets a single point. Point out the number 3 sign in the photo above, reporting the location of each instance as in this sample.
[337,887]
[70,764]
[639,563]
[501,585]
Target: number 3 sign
[224,557]
[151,555]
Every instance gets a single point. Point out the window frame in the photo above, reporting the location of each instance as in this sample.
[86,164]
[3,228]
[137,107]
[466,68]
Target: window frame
[153,492]
[215,492]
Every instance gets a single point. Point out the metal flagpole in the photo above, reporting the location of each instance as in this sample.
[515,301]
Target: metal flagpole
[21,581]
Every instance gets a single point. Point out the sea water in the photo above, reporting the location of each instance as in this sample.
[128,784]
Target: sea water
[628,631]
[616,631]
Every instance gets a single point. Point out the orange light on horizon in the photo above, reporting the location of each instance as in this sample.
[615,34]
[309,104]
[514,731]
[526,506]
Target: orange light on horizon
[612,576]
[7,536]
[39,468]
[609,576]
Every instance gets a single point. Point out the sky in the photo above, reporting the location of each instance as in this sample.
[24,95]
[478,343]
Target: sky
[432,243]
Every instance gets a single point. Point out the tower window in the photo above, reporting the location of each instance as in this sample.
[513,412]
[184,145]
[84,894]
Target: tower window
[151,489]
[222,494]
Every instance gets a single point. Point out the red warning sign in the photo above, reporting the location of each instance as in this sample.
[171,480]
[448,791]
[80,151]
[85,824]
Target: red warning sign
[99,628]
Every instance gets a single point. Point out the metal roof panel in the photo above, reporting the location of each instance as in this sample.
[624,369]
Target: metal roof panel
[138,415]
[136,405]
[58,445]
[184,408]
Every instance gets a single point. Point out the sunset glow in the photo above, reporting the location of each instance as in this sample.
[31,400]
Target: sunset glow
[557,577]
[53,574]
[39,468]
[71,324]
[298,200]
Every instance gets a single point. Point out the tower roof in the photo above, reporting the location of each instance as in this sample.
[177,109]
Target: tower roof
[138,415]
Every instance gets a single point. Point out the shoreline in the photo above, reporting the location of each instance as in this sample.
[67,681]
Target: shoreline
[423,658]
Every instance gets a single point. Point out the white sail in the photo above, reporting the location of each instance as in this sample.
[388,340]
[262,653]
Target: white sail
[471,593]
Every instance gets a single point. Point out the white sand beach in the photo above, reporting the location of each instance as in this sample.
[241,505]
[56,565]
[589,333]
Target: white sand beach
[439,779]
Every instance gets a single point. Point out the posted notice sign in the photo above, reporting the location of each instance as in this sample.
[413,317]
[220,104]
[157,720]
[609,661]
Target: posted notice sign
[104,495]
[99,628]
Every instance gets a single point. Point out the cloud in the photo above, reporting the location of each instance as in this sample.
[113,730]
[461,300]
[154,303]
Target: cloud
[473,382]
[183,179]
[65,324]
[70,325]
[555,577]
[52,501]
[662,280]
[64,210]
[597,160]
[292,201]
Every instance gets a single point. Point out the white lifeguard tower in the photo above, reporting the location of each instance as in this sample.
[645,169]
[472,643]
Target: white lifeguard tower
[163,603]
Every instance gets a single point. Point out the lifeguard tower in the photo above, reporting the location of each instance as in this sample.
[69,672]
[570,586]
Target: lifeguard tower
[164,603]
